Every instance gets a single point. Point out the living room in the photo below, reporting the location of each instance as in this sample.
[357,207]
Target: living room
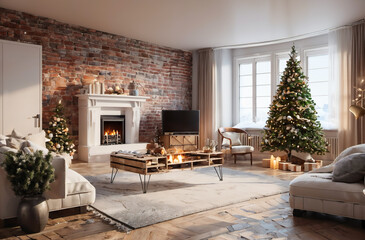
[182,119]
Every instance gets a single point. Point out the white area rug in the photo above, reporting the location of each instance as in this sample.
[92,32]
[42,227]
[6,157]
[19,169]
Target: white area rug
[177,193]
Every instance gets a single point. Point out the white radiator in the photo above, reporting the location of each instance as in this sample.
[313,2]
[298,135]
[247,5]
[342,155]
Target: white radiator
[255,141]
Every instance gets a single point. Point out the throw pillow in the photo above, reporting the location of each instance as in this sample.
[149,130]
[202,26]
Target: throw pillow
[3,140]
[16,134]
[15,143]
[350,169]
[36,147]
[353,149]
[235,137]
[38,138]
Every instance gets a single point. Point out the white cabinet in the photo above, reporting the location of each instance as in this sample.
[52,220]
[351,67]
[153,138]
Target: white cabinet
[21,87]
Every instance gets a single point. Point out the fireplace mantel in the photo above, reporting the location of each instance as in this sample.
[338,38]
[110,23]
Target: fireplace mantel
[91,107]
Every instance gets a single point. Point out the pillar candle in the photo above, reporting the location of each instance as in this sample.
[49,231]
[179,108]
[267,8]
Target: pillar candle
[102,88]
[90,89]
[97,88]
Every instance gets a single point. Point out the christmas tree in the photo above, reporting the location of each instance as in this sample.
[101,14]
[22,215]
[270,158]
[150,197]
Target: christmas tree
[57,132]
[292,123]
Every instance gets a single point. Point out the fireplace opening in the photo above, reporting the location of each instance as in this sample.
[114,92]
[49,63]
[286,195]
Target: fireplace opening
[112,129]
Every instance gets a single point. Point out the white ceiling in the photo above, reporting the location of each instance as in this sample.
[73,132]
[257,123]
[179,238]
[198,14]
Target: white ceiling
[194,24]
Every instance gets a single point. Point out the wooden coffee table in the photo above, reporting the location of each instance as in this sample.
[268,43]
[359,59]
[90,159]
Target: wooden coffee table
[147,165]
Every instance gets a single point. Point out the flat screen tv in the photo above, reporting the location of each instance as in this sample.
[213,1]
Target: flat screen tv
[180,122]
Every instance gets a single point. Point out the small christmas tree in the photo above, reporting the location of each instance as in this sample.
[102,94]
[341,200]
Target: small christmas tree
[57,132]
[292,123]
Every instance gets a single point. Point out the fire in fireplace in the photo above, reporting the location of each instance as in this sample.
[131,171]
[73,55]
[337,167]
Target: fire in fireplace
[112,129]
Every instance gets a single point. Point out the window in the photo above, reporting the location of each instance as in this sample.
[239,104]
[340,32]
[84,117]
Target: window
[317,71]
[254,91]
[259,77]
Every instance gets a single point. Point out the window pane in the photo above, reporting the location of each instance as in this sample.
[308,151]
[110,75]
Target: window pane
[246,115]
[263,67]
[282,64]
[262,114]
[245,92]
[318,88]
[263,102]
[263,91]
[318,61]
[316,75]
[321,102]
[246,103]
[246,80]
[263,78]
[246,69]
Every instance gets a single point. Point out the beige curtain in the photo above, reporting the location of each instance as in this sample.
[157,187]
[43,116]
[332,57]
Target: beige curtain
[207,100]
[340,51]
[358,72]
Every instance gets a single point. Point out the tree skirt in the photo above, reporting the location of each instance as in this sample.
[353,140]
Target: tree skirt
[177,193]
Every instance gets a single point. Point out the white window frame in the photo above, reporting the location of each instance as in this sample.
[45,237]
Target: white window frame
[253,61]
[273,56]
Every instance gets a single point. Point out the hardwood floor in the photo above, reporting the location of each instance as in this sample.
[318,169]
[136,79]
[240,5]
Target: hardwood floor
[265,218]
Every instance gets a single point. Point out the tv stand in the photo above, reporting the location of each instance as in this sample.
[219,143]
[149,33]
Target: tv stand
[184,142]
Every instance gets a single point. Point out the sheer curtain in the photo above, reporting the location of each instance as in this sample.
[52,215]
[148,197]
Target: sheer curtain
[358,71]
[207,95]
[340,51]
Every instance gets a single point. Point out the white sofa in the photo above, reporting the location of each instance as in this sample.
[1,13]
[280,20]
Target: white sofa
[69,189]
[315,191]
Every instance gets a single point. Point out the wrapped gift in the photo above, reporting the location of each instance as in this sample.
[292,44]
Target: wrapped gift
[308,166]
[266,162]
[294,167]
[284,166]
[319,163]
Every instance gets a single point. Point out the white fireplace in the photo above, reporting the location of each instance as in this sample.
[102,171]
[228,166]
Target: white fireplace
[91,109]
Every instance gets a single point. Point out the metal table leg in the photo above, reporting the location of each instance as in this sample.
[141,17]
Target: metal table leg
[112,177]
[144,183]
[219,172]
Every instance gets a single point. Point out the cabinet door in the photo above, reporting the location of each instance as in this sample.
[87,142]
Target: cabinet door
[22,97]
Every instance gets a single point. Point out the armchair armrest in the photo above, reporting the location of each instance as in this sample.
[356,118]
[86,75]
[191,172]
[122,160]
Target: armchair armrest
[58,187]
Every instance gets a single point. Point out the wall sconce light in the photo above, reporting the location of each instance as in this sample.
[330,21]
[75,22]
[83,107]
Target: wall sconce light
[358,110]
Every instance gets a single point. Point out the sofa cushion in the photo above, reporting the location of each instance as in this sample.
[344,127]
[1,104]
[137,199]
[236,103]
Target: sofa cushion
[38,138]
[242,149]
[16,134]
[350,169]
[15,143]
[35,147]
[348,151]
[2,140]
[76,183]
[320,186]
[235,137]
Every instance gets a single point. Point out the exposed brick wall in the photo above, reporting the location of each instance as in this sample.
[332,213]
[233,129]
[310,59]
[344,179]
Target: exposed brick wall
[74,56]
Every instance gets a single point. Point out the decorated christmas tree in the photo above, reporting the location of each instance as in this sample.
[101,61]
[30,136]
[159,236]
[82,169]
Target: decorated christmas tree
[57,132]
[292,124]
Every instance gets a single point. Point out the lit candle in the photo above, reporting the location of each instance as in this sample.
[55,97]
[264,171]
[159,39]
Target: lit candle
[278,159]
[272,159]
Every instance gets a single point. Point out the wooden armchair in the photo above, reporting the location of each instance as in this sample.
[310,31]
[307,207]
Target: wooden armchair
[231,139]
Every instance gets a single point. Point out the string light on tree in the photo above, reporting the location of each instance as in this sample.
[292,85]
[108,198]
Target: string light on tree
[292,115]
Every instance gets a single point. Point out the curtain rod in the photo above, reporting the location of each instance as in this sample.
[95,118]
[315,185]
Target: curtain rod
[289,39]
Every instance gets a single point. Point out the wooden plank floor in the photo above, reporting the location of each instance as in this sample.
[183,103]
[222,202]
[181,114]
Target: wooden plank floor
[265,218]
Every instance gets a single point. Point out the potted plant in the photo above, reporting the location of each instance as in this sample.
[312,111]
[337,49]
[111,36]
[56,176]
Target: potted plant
[30,176]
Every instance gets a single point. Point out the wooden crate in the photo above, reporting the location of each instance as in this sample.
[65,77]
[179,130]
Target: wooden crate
[152,165]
